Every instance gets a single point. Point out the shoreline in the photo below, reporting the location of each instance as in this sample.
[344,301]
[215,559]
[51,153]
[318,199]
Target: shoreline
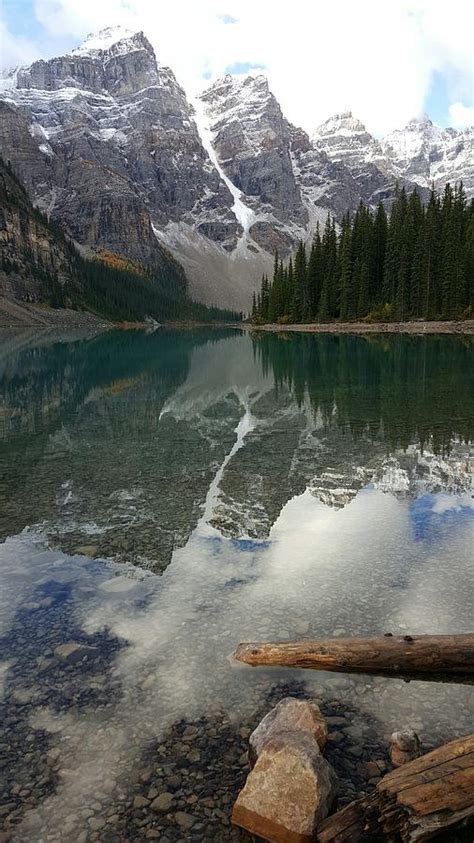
[451,327]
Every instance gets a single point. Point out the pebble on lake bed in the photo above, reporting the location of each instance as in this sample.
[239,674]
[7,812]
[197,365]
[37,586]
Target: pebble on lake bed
[405,746]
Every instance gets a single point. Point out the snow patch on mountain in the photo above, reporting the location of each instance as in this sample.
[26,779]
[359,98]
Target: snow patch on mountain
[105,39]
[244,215]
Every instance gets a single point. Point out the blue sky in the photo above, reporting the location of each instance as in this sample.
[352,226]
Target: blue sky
[387,63]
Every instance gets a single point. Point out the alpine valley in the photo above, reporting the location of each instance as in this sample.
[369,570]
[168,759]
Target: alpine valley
[112,150]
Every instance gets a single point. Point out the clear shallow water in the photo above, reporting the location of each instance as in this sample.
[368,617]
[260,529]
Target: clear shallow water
[165,496]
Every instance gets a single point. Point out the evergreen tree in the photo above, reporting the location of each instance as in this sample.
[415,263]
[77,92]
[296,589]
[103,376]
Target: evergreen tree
[345,267]
[430,264]
[315,274]
[394,246]
[329,293]
[298,304]
[379,247]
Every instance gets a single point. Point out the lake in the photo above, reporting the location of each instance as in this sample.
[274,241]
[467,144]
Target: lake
[164,496]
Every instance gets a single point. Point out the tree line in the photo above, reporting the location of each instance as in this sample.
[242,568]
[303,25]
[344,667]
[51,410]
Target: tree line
[415,262]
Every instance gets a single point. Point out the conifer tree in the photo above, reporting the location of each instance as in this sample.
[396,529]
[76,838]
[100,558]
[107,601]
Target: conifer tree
[394,245]
[380,243]
[315,274]
[298,303]
[345,267]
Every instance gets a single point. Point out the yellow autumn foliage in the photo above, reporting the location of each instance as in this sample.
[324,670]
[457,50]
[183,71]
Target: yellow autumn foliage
[114,261]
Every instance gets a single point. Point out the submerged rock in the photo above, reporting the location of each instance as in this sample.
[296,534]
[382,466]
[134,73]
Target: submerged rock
[73,651]
[288,792]
[404,746]
[290,715]
[162,803]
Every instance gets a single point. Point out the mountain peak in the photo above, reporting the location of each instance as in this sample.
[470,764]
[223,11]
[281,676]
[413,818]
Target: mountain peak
[230,82]
[421,121]
[343,122]
[108,38]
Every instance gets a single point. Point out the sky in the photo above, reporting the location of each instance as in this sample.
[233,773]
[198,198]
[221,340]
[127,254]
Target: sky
[385,60]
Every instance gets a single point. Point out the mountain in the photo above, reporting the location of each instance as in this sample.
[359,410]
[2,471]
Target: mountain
[110,146]
[252,143]
[429,155]
[421,154]
[40,266]
[105,141]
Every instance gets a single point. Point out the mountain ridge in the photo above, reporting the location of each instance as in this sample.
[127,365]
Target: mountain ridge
[111,147]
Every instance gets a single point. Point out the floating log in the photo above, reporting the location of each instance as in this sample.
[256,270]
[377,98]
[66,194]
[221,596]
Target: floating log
[418,801]
[438,657]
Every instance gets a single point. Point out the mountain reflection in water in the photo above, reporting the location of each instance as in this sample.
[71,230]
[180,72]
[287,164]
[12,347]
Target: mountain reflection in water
[282,486]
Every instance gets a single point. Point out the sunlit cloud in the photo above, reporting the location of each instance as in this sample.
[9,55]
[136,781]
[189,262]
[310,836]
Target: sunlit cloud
[461,115]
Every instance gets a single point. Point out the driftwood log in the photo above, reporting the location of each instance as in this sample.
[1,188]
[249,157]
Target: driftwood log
[438,657]
[420,800]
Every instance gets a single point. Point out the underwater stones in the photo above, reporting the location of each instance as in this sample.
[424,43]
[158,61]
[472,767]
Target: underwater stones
[289,791]
[73,651]
[52,757]
[289,715]
[162,804]
[405,745]
[300,626]
[140,802]
[86,550]
[34,606]
[185,821]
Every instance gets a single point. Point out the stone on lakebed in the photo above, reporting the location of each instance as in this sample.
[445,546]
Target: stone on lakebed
[290,715]
[405,746]
[289,791]
[73,651]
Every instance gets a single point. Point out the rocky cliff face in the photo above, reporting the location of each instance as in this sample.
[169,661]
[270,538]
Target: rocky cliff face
[252,142]
[29,252]
[110,146]
[40,265]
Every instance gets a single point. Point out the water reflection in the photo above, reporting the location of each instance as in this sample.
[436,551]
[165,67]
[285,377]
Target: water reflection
[305,509]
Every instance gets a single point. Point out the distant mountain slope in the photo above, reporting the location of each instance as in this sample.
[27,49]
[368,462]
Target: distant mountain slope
[421,153]
[39,265]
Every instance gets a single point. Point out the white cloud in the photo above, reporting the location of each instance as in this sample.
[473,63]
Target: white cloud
[461,115]
[14,50]
[374,58]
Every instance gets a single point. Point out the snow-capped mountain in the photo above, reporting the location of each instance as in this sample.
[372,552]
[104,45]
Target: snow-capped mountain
[109,144]
[106,142]
[345,140]
[429,155]
[421,153]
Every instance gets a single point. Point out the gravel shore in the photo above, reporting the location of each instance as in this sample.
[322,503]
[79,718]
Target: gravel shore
[465,327]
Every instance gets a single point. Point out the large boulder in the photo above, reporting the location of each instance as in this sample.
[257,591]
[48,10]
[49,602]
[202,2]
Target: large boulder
[405,745]
[290,715]
[289,791]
